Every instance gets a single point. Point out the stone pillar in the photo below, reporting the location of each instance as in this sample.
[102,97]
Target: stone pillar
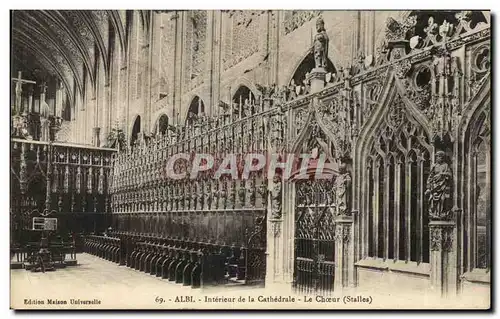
[317,79]
[107,113]
[209,60]
[96,139]
[276,212]
[179,64]
[443,256]
[370,33]
[356,37]
[274,20]
[344,252]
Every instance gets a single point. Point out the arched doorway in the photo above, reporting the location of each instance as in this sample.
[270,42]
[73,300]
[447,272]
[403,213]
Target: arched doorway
[243,102]
[161,125]
[314,209]
[196,109]
[135,130]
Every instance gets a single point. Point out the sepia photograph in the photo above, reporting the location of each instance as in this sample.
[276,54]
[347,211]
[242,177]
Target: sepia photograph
[250,159]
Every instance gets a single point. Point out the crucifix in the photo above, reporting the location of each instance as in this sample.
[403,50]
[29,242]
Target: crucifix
[19,89]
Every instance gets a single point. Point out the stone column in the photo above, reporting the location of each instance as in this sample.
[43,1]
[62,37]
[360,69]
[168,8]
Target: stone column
[275,245]
[210,71]
[344,252]
[370,33]
[178,64]
[274,27]
[148,84]
[356,37]
[443,256]
[107,114]
[276,211]
[96,140]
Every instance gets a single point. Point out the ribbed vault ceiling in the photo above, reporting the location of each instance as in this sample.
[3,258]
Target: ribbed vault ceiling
[66,44]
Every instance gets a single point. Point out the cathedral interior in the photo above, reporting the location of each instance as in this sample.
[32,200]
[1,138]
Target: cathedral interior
[398,101]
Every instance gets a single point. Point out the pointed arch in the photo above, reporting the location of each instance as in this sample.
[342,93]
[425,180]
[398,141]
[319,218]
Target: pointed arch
[162,124]
[476,189]
[135,129]
[119,29]
[242,81]
[241,93]
[306,130]
[396,137]
[195,109]
[472,108]
[316,135]
[305,65]
[393,87]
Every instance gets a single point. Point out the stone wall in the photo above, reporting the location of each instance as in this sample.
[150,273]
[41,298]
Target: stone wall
[171,57]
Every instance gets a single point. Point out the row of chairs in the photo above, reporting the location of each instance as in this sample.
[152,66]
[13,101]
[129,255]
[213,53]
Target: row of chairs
[105,247]
[189,263]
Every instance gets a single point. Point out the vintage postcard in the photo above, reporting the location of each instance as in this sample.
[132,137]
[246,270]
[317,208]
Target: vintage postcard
[250,159]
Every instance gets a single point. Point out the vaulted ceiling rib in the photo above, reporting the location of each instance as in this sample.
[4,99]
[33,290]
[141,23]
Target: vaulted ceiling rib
[64,42]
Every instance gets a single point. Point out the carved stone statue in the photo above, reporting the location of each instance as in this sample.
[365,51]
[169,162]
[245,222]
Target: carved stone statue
[342,185]
[320,45]
[439,188]
[276,199]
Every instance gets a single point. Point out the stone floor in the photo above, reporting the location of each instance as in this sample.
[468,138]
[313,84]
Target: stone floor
[119,287]
[114,286]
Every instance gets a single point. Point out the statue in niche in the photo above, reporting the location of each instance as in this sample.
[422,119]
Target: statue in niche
[320,45]
[342,185]
[262,190]
[276,199]
[439,188]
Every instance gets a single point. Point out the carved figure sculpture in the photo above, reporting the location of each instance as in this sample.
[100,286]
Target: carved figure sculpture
[276,199]
[320,45]
[342,184]
[439,186]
